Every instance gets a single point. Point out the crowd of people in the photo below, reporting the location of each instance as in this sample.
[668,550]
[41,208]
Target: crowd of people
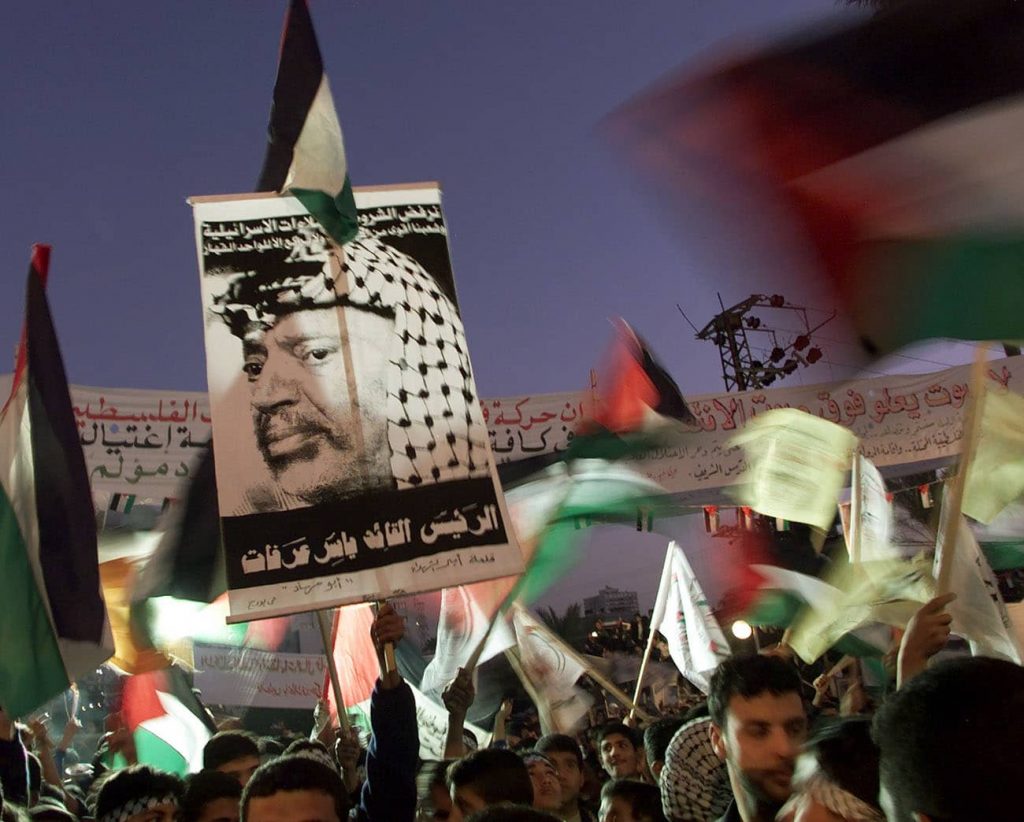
[944,744]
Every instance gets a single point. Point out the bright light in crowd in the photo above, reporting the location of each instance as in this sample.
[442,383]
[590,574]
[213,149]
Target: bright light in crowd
[741,629]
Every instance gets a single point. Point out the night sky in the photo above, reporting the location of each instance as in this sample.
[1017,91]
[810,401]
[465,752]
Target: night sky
[116,112]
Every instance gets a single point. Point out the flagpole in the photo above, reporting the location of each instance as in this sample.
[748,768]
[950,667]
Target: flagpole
[856,505]
[952,504]
[643,668]
[332,669]
[388,649]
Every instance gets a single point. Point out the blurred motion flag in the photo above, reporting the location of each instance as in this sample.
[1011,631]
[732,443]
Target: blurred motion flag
[465,617]
[355,657]
[995,475]
[682,615]
[556,501]
[893,144]
[550,671]
[796,465]
[979,613]
[306,154]
[168,723]
[854,618]
[639,403]
[54,625]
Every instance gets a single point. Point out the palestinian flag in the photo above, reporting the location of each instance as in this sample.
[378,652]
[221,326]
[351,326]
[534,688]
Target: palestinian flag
[54,625]
[892,144]
[640,403]
[785,595]
[169,724]
[306,155]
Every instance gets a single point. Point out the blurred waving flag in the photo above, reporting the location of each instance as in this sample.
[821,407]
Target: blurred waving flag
[54,626]
[306,154]
[893,144]
[168,723]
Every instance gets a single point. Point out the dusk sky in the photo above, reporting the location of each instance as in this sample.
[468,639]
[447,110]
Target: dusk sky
[116,112]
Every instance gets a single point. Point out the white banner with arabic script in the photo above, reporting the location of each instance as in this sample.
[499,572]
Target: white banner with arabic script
[901,420]
[258,679]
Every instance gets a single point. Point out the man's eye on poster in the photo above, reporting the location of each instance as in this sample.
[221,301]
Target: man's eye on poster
[352,455]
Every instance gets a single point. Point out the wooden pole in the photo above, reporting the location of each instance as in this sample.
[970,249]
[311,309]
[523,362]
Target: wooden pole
[856,509]
[953,501]
[390,664]
[339,697]
[643,668]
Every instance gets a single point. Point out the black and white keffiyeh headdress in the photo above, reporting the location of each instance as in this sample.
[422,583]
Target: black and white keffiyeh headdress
[436,430]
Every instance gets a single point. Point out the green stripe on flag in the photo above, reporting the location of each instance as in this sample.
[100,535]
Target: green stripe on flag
[934,287]
[337,215]
[152,750]
[31,668]
[1004,555]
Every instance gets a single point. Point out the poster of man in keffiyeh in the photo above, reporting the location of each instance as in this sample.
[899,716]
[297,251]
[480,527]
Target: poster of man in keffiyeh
[352,455]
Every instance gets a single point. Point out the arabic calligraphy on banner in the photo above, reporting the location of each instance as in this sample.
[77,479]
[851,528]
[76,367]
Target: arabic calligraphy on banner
[258,679]
[900,420]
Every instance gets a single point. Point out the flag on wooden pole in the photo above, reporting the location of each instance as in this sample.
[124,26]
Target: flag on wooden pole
[682,615]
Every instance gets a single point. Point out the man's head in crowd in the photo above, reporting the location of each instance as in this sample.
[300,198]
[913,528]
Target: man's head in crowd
[951,743]
[758,724]
[619,754]
[836,776]
[657,735]
[625,800]
[565,755]
[547,791]
[295,788]
[488,777]
[210,796]
[512,813]
[138,794]
[434,803]
[235,753]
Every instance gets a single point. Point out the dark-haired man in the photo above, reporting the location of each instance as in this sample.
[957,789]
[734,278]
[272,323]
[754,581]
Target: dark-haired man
[758,724]
[488,777]
[620,756]
[951,743]
[657,735]
[567,758]
[295,788]
[210,796]
[139,793]
[235,753]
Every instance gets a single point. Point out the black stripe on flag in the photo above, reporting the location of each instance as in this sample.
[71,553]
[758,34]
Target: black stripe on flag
[64,504]
[299,74]
[864,85]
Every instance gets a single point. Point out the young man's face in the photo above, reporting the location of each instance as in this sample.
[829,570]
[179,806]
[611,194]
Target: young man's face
[570,775]
[619,757]
[319,405]
[547,791]
[760,743]
[465,801]
[615,809]
[292,806]
[166,812]
[219,810]
[241,769]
